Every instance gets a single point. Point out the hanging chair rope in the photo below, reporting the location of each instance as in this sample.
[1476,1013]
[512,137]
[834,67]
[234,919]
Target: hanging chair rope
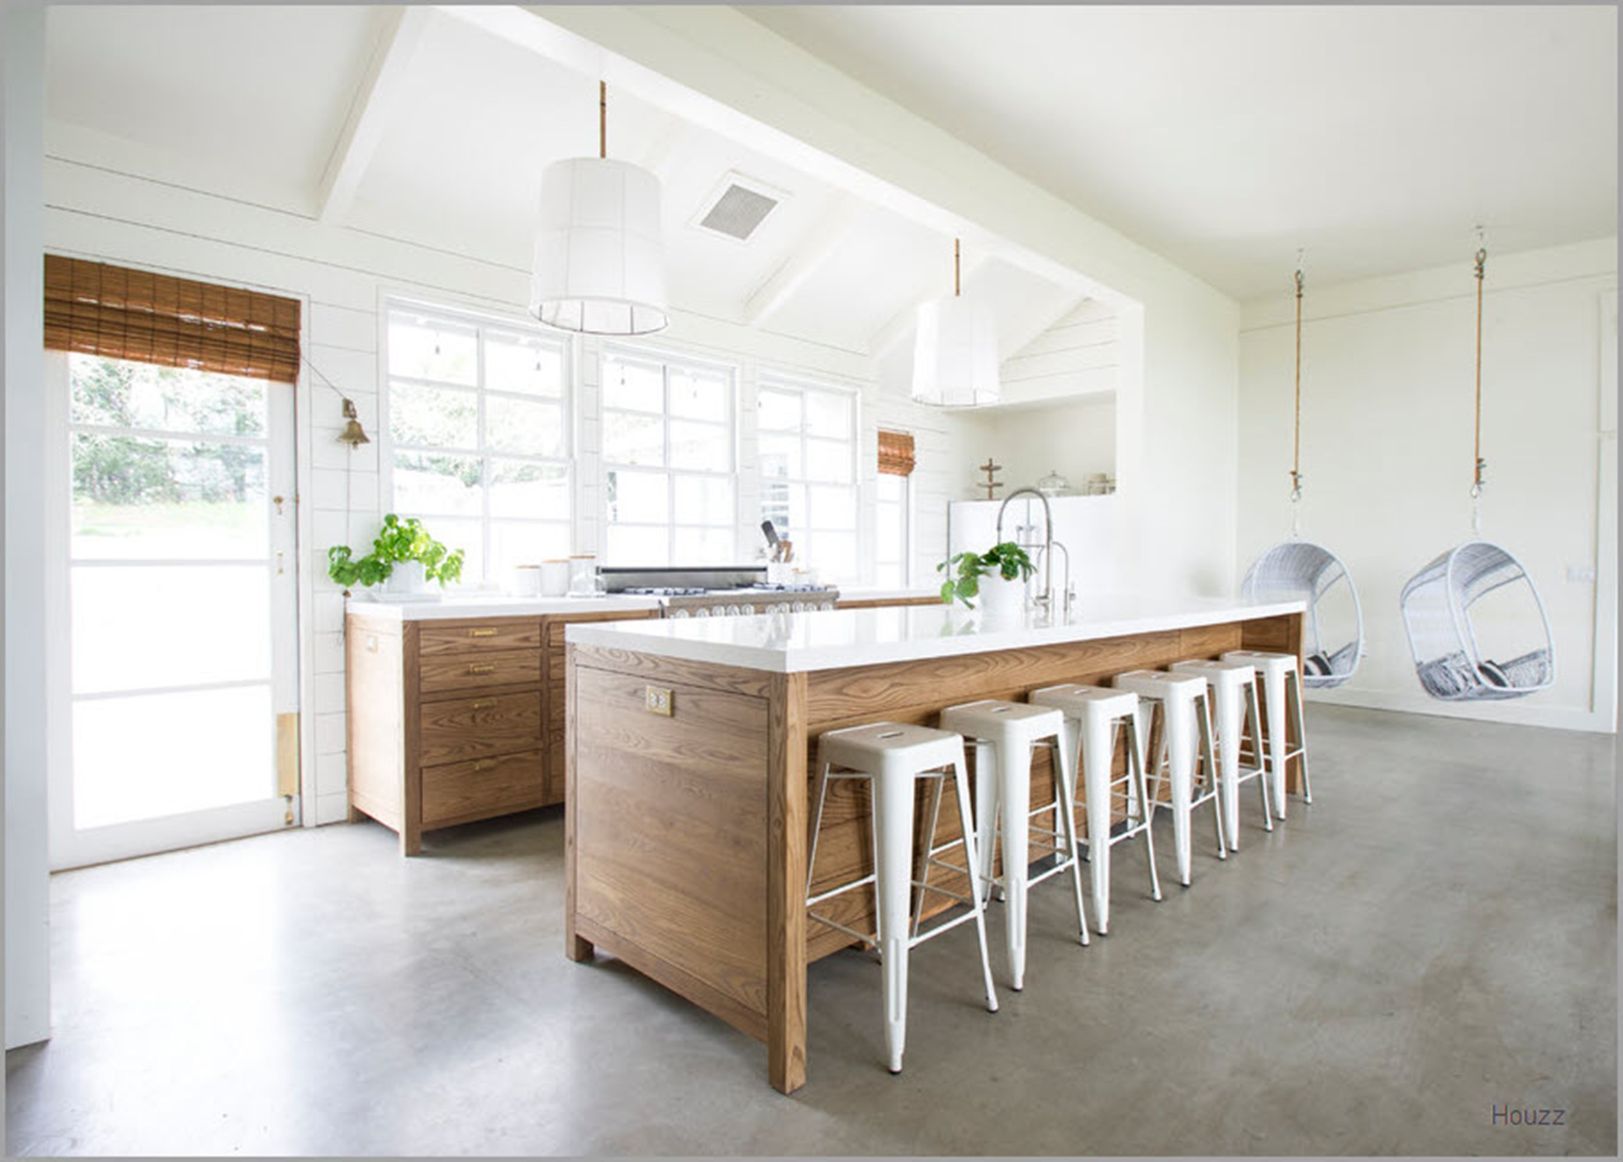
[1478,464]
[1296,433]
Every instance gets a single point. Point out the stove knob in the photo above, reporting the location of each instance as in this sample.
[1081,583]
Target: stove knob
[746,609]
[679,613]
[701,613]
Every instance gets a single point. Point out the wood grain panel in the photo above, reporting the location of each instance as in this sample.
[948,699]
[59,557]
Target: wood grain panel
[884,602]
[670,826]
[460,729]
[462,792]
[480,671]
[375,730]
[731,679]
[475,637]
[786,884]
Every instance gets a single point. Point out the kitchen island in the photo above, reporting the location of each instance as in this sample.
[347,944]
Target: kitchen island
[688,752]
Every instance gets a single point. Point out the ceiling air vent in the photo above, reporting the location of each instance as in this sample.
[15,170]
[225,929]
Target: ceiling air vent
[737,207]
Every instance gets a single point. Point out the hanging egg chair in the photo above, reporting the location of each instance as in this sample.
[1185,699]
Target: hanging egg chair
[1301,570]
[1443,633]
[1470,612]
[1297,570]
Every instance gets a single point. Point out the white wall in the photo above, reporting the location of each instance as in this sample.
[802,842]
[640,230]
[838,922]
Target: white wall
[1079,355]
[344,278]
[1387,394]
[27,889]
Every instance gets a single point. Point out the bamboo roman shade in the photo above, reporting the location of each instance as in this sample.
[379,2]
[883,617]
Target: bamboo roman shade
[896,453]
[98,309]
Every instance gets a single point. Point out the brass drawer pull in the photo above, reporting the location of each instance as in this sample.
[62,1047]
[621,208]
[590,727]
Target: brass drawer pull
[484,764]
[483,704]
[482,632]
[487,668]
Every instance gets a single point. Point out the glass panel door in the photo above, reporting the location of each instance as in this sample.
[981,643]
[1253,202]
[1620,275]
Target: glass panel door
[179,609]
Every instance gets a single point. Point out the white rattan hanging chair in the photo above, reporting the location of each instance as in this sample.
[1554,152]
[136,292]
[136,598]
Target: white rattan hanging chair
[1444,611]
[1298,570]
[1449,660]
[1301,570]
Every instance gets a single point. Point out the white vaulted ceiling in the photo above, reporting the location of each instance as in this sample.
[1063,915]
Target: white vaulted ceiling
[1225,137]
[262,104]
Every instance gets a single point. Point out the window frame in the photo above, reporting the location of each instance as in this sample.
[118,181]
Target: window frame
[664,360]
[906,506]
[801,385]
[480,323]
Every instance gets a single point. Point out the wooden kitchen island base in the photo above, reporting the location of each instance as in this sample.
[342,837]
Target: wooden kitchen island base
[689,779]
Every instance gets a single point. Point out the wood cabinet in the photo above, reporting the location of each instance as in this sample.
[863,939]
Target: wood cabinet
[455,720]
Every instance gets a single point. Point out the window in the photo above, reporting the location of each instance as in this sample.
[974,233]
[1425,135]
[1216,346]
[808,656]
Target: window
[668,464]
[479,438]
[893,518]
[808,454]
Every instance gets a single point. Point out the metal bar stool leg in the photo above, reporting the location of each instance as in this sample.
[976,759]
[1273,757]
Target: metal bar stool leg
[1253,714]
[960,780]
[1208,766]
[893,860]
[1065,755]
[1301,738]
[1146,805]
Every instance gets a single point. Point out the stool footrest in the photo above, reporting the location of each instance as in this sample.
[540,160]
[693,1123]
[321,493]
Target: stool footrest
[841,890]
[867,940]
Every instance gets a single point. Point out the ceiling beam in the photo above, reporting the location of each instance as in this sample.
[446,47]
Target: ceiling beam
[810,253]
[369,113]
[1037,324]
[900,325]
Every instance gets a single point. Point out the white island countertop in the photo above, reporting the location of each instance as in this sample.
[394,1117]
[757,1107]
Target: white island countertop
[495,605]
[787,643]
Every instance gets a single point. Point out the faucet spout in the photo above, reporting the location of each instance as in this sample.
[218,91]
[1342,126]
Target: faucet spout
[1047,598]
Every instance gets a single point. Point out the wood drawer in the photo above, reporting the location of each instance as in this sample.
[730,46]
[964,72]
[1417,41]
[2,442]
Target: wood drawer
[460,729]
[507,634]
[476,671]
[460,792]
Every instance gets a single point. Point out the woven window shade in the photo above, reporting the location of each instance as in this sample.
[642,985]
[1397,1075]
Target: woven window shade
[98,309]
[896,453]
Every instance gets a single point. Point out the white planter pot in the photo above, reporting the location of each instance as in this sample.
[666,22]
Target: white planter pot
[1001,600]
[407,579]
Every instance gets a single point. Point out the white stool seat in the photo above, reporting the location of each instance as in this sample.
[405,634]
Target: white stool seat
[893,758]
[1186,741]
[1093,712]
[1003,734]
[1161,685]
[1075,699]
[1234,697]
[913,748]
[1281,678]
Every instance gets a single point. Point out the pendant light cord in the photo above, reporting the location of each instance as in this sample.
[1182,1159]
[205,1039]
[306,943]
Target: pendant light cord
[957,277]
[602,119]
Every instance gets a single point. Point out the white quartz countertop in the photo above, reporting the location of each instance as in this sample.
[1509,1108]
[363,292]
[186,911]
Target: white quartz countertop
[495,605]
[887,594]
[786,643]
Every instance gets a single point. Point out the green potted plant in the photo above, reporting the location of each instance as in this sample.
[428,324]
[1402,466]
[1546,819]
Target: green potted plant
[993,581]
[403,555]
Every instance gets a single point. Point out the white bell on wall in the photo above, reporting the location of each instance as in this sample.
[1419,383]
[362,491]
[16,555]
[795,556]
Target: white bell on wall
[955,362]
[599,265]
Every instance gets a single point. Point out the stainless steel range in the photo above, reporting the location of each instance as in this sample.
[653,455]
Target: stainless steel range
[716,592]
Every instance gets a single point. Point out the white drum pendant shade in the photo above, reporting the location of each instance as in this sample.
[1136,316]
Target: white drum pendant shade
[955,354]
[599,262]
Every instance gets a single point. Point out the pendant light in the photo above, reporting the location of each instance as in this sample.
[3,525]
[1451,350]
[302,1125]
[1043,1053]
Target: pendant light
[955,349]
[599,262]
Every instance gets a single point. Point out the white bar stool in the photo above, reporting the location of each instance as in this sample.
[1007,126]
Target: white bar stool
[1010,731]
[1234,692]
[1281,696]
[892,758]
[1091,713]
[1186,737]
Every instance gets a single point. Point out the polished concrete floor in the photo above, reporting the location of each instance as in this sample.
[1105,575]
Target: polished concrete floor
[1435,937]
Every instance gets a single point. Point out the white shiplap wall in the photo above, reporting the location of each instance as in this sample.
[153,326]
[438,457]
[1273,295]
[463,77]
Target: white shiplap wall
[344,278]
